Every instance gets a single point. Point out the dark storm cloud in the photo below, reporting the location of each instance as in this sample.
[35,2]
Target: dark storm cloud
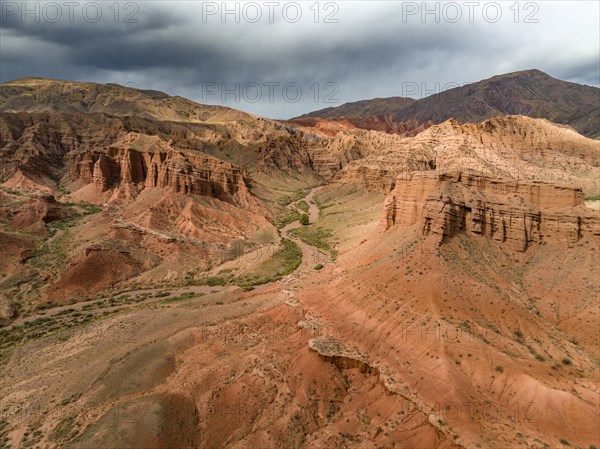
[586,71]
[370,52]
[78,31]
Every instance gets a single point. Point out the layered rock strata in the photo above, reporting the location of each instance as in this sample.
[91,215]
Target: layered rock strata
[519,214]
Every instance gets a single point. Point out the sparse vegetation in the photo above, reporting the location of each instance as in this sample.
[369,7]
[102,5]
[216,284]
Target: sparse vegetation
[183,297]
[303,206]
[51,253]
[519,335]
[31,437]
[283,262]
[317,237]
[286,216]
[4,434]
[213,281]
[63,322]
[296,195]
[63,429]
[588,196]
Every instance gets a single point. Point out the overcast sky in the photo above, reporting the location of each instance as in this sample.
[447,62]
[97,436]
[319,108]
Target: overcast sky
[282,59]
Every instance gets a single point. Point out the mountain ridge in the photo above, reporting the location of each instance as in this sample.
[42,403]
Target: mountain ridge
[54,95]
[526,92]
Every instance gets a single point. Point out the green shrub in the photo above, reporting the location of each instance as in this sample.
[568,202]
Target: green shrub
[304,220]
[283,262]
[213,281]
[288,258]
[303,206]
[588,196]
[519,334]
[183,297]
[316,236]
[286,216]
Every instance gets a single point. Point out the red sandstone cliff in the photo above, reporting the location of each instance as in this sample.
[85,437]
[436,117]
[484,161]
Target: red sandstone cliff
[519,214]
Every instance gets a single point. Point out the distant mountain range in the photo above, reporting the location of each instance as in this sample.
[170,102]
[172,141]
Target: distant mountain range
[531,92]
[38,95]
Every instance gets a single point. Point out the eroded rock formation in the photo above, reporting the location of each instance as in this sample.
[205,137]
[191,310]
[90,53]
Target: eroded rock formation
[516,213]
[132,171]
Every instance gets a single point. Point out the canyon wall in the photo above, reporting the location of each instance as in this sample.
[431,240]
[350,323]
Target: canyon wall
[519,214]
[132,171]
